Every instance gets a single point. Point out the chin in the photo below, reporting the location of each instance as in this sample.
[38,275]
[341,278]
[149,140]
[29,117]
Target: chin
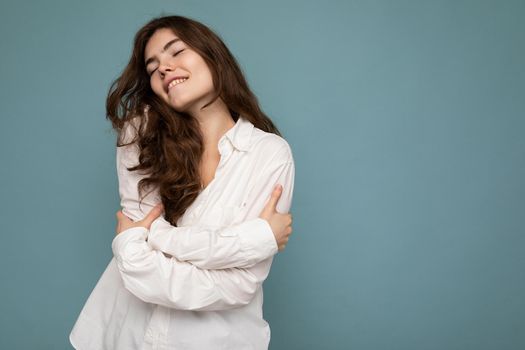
[178,107]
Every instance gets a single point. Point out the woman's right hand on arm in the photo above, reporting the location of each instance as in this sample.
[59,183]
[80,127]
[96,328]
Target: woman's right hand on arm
[281,224]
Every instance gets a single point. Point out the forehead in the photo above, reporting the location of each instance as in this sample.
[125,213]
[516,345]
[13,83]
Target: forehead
[158,40]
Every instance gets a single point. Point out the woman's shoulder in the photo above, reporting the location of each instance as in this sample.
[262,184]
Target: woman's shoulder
[270,147]
[132,125]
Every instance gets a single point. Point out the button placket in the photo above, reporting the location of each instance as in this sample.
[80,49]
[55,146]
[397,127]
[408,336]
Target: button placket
[225,151]
[157,331]
[164,327]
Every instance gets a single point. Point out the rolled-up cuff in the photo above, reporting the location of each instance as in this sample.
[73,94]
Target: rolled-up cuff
[120,244]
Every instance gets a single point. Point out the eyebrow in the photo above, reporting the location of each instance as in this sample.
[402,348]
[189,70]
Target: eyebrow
[168,44]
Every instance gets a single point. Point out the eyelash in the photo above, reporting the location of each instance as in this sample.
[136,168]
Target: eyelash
[175,54]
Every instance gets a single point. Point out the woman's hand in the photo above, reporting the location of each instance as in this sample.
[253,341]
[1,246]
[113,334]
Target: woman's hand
[281,224]
[123,222]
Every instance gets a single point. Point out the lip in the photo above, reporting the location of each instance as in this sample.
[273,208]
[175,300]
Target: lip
[170,79]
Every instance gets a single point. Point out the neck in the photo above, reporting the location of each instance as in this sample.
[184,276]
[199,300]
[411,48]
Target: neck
[214,120]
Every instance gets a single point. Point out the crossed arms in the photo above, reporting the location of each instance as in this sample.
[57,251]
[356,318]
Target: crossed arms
[208,268]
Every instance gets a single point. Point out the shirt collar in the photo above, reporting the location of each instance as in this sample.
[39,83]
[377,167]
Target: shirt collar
[240,134]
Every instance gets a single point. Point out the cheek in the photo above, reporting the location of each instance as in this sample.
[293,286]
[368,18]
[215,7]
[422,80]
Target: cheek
[206,79]
[202,72]
[156,85]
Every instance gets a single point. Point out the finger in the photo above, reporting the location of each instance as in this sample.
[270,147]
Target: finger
[122,218]
[274,198]
[153,214]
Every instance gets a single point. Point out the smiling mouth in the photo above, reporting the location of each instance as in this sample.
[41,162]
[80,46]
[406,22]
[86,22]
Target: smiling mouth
[176,82]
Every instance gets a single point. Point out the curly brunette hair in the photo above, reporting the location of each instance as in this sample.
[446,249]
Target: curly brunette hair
[171,142]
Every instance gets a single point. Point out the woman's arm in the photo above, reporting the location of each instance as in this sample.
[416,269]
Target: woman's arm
[241,245]
[155,278]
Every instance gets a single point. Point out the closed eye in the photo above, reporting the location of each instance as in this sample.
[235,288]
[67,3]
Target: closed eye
[175,54]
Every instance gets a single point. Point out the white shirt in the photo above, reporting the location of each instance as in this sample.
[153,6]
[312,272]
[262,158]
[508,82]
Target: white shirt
[197,285]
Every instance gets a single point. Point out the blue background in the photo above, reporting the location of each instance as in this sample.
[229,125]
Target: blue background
[407,123]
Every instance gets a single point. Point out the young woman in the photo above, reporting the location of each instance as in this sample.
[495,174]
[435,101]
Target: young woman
[194,144]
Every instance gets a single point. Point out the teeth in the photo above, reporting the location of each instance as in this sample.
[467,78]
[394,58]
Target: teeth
[176,81]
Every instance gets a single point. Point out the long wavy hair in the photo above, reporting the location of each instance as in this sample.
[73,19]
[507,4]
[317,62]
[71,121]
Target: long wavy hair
[171,143]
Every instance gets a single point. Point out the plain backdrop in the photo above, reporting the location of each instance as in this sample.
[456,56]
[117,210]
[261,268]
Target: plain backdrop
[406,121]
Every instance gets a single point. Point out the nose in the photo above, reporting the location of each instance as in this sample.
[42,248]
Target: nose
[164,68]
[165,65]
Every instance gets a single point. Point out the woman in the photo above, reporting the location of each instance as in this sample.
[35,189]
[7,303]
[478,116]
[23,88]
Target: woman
[191,131]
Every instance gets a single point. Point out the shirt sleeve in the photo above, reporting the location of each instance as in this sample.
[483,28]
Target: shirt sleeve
[156,278]
[241,245]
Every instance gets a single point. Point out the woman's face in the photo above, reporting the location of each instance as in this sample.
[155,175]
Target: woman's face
[193,83]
